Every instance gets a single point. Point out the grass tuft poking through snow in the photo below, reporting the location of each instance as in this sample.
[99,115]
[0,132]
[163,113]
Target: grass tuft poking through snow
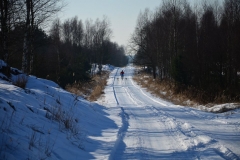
[65,117]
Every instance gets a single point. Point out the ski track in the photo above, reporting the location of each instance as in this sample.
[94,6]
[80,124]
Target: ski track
[191,138]
[190,142]
[121,134]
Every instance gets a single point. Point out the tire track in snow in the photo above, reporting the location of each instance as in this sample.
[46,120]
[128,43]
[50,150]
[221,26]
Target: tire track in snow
[194,143]
[155,114]
[140,149]
[192,139]
[144,153]
[119,144]
[168,126]
[114,92]
[147,95]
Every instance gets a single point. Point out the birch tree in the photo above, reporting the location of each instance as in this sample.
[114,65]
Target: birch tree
[37,13]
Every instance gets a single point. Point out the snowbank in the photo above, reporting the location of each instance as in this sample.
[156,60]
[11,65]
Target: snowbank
[2,63]
[43,121]
[219,108]
[106,67]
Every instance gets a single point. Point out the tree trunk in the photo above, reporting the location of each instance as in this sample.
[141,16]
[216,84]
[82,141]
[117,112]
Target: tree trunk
[154,72]
[26,40]
[4,29]
[31,37]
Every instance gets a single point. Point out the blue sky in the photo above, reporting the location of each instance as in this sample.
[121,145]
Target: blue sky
[121,13]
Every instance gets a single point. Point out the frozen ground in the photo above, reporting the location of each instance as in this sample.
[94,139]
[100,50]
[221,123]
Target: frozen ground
[126,123]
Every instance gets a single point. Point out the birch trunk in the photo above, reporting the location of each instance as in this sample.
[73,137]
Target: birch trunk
[26,40]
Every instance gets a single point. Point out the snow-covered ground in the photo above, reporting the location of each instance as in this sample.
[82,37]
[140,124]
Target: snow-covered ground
[44,121]
[152,128]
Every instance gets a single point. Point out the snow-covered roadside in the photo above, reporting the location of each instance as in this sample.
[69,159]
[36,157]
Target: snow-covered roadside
[43,121]
[107,67]
[220,108]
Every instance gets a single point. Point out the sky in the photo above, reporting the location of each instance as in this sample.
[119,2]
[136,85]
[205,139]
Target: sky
[122,14]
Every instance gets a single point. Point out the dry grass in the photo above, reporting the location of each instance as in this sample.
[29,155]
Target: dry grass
[91,90]
[164,89]
[21,81]
[100,83]
[65,118]
[180,94]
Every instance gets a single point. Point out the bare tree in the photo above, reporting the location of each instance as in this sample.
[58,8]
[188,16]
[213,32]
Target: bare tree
[76,31]
[55,33]
[79,33]
[73,31]
[10,14]
[231,23]
[103,33]
[37,13]
[26,38]
[66,29]
[95,35]
[145,40]
[4,30]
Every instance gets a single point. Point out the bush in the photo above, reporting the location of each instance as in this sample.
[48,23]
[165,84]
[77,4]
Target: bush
[91,90]
[21,81]
[100,84]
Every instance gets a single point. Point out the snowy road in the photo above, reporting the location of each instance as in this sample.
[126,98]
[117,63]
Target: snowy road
[126,123]
[152,128]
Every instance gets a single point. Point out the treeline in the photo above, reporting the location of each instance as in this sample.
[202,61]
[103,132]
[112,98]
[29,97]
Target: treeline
[79,47]
[66,53]
[195,47]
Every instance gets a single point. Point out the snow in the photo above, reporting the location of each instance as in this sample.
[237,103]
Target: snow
[220,108]
[152,128]
[2,63]
[28,133]
[127,122]
[107,67]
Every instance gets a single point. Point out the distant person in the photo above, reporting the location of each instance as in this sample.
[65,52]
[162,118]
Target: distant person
[122,74]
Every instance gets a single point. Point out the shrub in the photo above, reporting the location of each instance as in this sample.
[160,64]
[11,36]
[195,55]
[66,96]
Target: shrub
[91,90]
[21,81]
